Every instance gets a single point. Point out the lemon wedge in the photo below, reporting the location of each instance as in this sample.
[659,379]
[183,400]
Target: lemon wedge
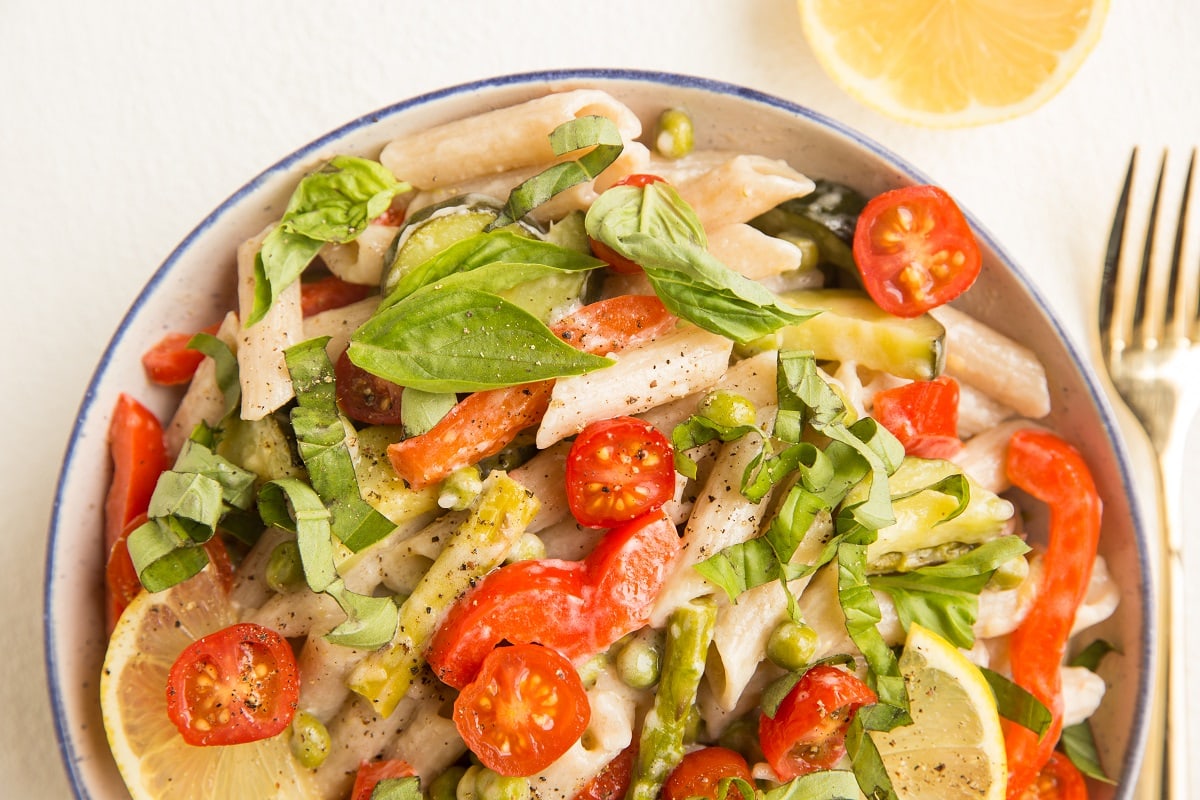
[154,760]
[952,63]
[955,746]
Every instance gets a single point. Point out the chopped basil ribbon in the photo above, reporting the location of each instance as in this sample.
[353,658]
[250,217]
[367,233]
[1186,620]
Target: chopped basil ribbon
[656,229]
[292,504]
[862,619]
[599,133]
[420,411]
[186,507]
[945,597]
[829,784]
[333,204]
[463,340]
[1016,704]
[226,368]
[321,441]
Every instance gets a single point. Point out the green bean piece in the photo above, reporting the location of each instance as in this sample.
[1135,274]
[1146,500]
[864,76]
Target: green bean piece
[285,572]
[309,741]
[639,661]
[445,786]
[1010,574]
[729,409]
[792,645]
[664,730]
[460,489]
[676,135]
[529,547]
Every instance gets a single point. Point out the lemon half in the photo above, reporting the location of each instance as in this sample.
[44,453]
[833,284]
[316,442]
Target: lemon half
[154,760]
[950,63]
[955,746]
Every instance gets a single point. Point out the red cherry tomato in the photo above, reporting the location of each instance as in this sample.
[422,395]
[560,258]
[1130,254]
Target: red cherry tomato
[616,261]
[370,773]
[923,415]
[618,469]
[526,708]
[1058,780]
[237,685]
[915,250]
[366,397]
[808,731]
[330,292]
[701,771]
[525,602]
[612,782]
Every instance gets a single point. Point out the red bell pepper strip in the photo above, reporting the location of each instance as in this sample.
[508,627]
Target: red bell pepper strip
[923,415]
[1052,471]
[484,423]
[139,456]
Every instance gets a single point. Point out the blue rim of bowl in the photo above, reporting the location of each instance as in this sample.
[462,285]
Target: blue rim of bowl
[67,744]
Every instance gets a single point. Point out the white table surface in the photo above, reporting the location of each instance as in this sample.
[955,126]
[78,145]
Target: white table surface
[122,124]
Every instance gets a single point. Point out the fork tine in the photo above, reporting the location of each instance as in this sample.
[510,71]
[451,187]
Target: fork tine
[1148,311]
[1110,277]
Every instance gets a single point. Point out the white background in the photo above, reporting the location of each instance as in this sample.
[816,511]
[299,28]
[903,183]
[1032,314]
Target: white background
[122,124]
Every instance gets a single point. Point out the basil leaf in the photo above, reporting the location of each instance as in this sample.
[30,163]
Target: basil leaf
[226,368]
[370,621]
[653,227]
[237,484]
[830,784]
[869,770]
[463,341]
[1090,657]
[162,557]
[1016,704]
[321,441]
[804,396]
[420,411]
[697,430]
[945,597]
[1079,745]
[503,250]
[334,204]
[862,619]
[599,133]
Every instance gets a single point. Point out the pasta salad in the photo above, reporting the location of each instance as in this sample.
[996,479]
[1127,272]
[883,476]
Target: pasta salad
[585,463]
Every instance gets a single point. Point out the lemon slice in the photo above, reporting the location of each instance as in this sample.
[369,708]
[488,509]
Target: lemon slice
[154,760]
[955,746]
[950,63]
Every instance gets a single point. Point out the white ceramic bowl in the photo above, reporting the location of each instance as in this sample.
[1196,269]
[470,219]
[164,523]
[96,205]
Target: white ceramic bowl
[187,292]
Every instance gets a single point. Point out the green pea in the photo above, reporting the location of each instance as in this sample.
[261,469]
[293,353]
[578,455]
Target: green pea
[676,134]
[529,547]
[792,645]
[460,489]
[639,662]
[445,786]
[285,571]
[309,741]
[491,785]
[589,671]
[1011,573]
[727,408]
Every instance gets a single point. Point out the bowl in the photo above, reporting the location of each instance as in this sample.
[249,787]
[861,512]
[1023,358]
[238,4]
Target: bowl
[186,293]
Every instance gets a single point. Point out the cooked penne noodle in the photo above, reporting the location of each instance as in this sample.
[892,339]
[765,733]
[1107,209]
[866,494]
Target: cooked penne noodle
[339,324]
[266,384]
[750,252]
[203,400]
[741,189]
[361,260]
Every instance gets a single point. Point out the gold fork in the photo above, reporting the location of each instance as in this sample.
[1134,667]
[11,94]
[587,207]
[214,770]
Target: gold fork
[1150,338]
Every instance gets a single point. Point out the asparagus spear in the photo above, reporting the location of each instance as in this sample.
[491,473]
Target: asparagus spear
[689,632]
[500,517]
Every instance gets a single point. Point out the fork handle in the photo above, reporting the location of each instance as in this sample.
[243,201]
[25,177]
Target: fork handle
[1166,766]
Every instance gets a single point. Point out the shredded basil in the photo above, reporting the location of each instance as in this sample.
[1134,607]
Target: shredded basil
[321,440]
[1016,704]
[1077,741]
[333,204]
[226,368]
[599,133]
[830,784]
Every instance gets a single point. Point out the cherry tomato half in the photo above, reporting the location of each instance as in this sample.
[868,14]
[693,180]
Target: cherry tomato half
[330,292]
[923,416]
[1058,780]
[618,469]
[611,782]
[617,262]
[526,708]
[915,250]
[808,731]
[370,773]
[366,397]
[237,685]
[701,771]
